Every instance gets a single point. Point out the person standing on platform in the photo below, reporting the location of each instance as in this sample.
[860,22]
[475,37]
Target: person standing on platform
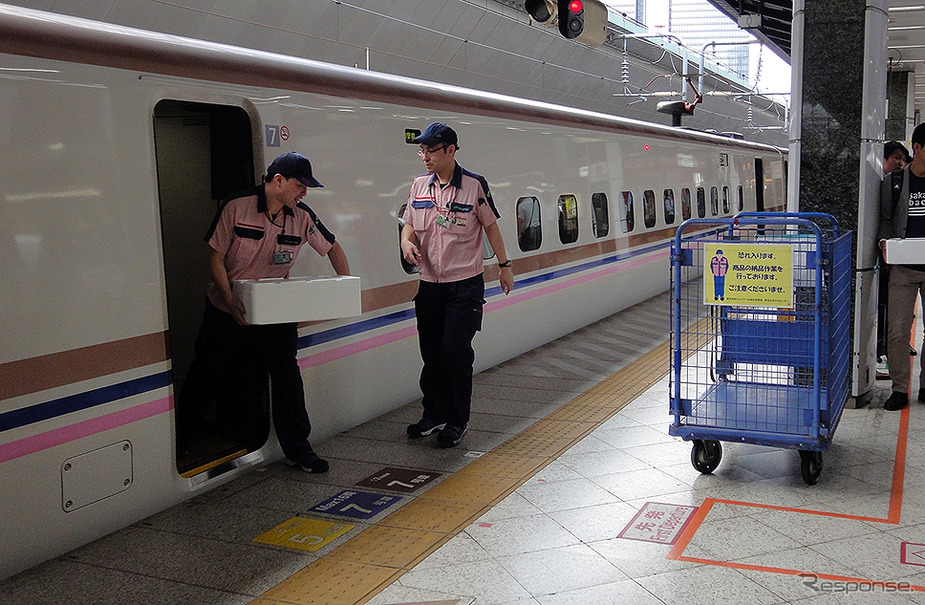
[902,215]
[447,211]
[895,155]
[894,160]
[257,234]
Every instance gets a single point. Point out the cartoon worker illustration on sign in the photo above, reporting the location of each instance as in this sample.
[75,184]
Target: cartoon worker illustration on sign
[719,265]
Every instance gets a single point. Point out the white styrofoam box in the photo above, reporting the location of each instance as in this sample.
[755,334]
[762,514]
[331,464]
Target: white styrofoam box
[910,251]
[278,300]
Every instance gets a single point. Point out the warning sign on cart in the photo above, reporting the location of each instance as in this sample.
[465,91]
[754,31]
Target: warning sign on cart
[748,275]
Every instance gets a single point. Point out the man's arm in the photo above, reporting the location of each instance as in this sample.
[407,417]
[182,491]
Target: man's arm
[885,229]
[338,259]
[408,250]
[493,233]
[223,285]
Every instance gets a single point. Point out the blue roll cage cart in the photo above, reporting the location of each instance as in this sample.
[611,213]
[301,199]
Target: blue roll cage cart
[751,369]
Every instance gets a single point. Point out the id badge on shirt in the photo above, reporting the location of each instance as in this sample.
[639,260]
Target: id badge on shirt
[443,221]
[283,257]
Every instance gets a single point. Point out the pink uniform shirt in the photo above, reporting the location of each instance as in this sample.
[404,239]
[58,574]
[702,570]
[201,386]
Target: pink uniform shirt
[254,244]
[448,224]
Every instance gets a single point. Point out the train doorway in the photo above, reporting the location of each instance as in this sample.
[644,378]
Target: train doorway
[204,152]
[759,185]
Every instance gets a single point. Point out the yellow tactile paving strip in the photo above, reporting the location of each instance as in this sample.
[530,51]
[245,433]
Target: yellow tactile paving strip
[363,566]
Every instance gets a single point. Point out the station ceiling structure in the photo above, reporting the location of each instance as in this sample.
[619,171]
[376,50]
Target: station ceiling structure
[775,15]
[905,34]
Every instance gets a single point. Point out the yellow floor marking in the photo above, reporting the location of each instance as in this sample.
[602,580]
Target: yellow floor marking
[304,534]
[484,489]
[331,582]
[436,515]
[391,547]
[497,464]
[547,446]
[360,568]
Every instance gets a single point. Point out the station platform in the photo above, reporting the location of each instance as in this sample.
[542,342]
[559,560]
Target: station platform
[566,490]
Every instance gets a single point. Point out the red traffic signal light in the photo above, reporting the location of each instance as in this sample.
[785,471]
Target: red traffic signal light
[571,18]
[583,20]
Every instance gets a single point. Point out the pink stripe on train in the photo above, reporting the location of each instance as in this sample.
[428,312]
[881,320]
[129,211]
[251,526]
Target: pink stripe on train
[43,441]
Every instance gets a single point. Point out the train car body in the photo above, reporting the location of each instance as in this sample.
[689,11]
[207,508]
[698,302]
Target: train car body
[117,145]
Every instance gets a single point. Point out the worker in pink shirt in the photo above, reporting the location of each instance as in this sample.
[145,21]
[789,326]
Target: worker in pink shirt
[448,209]
[258,233]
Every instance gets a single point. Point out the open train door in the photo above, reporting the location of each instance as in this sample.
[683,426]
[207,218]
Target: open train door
[204,152]
[759,185]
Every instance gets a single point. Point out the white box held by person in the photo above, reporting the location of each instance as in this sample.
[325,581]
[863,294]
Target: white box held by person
[906,251]
[278,300]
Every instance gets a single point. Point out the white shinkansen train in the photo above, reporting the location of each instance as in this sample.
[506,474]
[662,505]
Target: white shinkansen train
[116,145]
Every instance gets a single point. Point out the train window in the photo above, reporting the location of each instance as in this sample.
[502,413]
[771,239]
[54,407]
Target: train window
[741,205]
[627,219]
[685,204]
[568,219]
[714,201]
[669,206]
[529,232]
[701,203]
[648,208]
[725,200]
[600,214]
[408,267]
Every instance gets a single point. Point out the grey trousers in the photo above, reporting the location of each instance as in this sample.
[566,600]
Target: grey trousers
[905,285]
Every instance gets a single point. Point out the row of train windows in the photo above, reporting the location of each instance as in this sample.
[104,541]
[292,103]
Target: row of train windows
[530,230]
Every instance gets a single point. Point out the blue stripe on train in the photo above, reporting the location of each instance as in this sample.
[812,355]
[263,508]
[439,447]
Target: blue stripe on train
[82,401]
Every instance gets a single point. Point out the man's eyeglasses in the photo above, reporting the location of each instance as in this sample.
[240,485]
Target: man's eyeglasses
[422,151]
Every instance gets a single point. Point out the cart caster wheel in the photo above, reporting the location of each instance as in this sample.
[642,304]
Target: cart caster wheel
[811,466]
[705,455]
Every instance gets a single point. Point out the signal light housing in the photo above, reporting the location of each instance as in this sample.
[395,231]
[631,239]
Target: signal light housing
[584,21]
[542,11]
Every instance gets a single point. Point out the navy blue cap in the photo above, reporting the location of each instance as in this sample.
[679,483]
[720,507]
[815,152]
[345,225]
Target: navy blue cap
[437,133]
[293,165]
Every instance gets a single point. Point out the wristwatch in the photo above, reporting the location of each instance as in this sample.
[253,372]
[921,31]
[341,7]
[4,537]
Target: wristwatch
[506,263]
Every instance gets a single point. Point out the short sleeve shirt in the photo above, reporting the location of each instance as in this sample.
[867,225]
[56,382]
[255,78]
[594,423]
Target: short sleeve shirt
[915,223]
[448,223]
[257,245]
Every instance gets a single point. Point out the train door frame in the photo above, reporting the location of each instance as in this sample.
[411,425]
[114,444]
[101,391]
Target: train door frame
[204,152]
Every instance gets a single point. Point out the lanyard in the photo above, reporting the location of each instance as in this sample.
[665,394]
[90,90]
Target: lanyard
[273,221]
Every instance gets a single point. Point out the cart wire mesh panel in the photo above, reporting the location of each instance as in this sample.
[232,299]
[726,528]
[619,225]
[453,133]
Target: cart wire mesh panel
[760,333]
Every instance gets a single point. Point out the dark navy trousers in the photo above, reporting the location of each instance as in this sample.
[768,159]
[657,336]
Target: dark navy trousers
[220,339]
[448,316]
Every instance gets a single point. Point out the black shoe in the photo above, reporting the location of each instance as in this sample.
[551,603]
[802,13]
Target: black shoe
[896,401]
[913,352]
[310,464]
[423,428]
[451,435]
